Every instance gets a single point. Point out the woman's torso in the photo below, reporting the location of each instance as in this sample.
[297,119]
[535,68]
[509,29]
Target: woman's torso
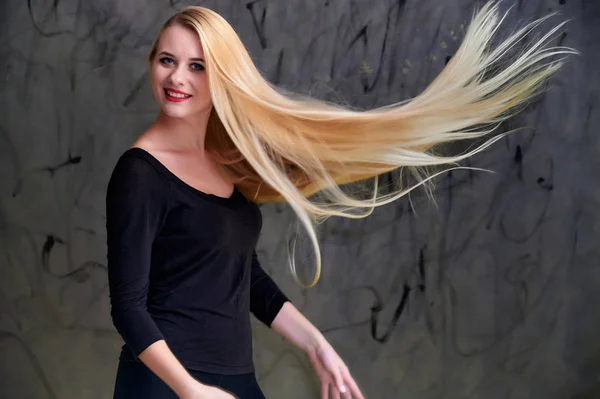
[198,293]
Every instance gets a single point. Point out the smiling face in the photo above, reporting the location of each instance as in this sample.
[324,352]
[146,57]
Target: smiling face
[179,80]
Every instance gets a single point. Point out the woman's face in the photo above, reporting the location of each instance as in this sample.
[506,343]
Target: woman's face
[179,80]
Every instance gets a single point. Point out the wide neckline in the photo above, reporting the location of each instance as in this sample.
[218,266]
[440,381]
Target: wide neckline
[166,171]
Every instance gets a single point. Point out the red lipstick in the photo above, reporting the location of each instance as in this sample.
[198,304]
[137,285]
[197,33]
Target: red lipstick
[177,99]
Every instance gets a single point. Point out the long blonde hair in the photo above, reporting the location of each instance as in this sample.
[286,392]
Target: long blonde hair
[279,146]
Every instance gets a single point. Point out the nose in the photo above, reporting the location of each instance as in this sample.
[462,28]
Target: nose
[178,75]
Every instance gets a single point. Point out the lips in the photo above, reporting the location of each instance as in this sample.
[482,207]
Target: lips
[176,96]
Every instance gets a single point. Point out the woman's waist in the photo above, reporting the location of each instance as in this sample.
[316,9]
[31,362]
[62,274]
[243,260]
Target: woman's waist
[209,341]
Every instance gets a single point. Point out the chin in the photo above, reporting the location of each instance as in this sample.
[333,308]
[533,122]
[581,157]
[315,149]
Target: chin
[183,113]
[176,113]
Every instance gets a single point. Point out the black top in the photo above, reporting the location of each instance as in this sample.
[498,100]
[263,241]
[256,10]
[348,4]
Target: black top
[182,267]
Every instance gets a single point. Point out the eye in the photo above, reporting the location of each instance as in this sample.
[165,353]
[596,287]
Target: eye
[166,60]
[197,67]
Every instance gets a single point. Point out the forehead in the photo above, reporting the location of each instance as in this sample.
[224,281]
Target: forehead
[180,41]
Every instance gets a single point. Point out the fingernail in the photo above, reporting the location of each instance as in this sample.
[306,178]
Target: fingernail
[343,389]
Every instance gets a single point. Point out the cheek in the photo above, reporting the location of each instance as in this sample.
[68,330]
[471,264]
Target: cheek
[157,76]
[202,89]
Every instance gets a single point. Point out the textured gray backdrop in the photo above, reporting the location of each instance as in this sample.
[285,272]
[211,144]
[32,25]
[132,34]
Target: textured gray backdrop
[493,294]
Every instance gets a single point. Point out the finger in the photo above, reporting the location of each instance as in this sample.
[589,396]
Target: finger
[339,381]
[324,390]
[336,374]
[352,385]
[335,392]
[348,394]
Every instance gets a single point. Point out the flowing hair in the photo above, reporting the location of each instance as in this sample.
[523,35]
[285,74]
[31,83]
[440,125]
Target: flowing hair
[281,146]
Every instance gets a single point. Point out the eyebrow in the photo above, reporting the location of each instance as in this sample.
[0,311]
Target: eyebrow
[172,56]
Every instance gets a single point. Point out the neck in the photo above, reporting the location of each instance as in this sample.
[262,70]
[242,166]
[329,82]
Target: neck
[184,134]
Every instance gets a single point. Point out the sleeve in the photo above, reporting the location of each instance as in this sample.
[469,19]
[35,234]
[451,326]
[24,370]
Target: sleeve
[266,299]
[136,204]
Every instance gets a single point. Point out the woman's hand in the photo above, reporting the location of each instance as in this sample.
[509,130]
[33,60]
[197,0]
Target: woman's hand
[333,373]
[330,368]
[216,393]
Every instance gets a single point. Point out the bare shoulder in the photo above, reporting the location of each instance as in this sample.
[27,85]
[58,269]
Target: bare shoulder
[146,141]
[201,173]
[150,141]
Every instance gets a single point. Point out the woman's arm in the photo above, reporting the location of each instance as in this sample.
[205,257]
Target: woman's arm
[293,326]
[162,362]
[266,299]
[273,308]
[330,368]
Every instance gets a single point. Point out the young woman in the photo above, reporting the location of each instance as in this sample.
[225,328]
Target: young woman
[182,214]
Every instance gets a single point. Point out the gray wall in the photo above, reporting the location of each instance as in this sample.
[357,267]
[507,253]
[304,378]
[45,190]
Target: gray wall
[491,294]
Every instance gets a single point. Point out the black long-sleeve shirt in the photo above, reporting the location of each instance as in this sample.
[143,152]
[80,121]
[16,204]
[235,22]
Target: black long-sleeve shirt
[182,267]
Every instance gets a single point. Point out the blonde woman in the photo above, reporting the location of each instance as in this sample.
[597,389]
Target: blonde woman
[182,214]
